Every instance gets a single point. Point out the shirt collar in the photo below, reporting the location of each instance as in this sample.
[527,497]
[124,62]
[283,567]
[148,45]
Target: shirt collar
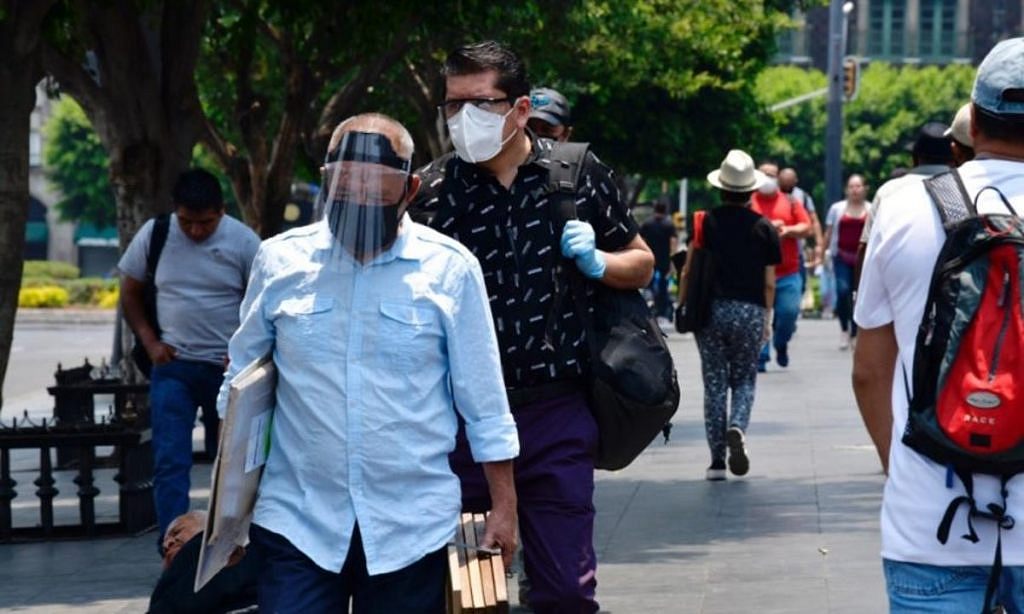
[929,169]
[408,245]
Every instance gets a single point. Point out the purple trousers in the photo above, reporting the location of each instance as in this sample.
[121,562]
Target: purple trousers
[554,476]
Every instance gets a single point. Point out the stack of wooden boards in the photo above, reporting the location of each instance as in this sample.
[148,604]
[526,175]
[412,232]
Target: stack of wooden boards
[476,580]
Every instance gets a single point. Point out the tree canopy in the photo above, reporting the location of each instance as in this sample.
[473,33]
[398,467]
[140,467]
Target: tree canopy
[79,166]
[893,102]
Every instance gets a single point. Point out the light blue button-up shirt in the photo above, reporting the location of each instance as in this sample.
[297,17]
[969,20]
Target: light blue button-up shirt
[371,361]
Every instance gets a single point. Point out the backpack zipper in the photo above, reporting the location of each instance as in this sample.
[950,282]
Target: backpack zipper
[1004,299]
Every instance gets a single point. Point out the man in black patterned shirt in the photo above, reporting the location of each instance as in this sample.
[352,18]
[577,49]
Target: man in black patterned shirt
[491,196]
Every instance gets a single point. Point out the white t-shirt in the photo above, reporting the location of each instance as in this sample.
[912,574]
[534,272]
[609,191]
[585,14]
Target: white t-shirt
[915,175]
[902,250]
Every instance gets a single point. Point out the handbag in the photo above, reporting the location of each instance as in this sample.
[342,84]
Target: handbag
[695,313]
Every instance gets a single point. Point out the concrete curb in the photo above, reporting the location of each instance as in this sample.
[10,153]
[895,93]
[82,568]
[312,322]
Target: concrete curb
[65,316]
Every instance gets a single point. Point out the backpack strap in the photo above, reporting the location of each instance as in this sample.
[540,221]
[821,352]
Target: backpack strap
[157,240]
[994,512]
[565,163]
[950,197]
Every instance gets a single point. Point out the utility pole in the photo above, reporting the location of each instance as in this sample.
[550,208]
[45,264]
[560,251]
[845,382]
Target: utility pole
[837,17]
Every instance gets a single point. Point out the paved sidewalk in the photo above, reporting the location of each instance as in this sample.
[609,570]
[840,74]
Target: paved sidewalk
[68,315]
[798,534]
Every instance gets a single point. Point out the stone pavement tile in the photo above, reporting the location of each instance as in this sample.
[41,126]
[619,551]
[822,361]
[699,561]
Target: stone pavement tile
[624,589]
[779,595]
[791,559]
[36,561]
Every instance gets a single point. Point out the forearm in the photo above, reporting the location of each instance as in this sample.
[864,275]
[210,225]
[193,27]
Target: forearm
[872,386]
[628,269]
[135,314]
[501,484]
[796,231]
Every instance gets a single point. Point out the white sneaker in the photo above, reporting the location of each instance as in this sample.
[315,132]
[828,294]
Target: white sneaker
[844,340]
[715,474]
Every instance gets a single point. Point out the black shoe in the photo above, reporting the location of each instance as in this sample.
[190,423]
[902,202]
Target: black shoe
[716,472]
[739,463]
[782,356]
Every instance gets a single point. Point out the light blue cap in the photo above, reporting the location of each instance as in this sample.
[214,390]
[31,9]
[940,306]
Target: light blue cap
[1001,71]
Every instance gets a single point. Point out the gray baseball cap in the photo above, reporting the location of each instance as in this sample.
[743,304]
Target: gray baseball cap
[999,84]
[550,106]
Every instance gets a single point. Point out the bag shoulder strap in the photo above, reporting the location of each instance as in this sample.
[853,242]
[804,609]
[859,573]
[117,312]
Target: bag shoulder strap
[950,197]
[161,228]
[564,168]
[565,163]
[700,225]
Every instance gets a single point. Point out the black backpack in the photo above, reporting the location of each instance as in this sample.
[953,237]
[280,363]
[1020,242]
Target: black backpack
[161,226]
[632,385]
[967,405]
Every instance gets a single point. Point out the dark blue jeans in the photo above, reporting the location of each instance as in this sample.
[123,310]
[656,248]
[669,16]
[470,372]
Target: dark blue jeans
[787,310]
[844,297]
[291,582]
[659,289]
[176,390]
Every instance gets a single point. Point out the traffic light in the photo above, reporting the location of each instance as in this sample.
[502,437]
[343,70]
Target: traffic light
[851,78]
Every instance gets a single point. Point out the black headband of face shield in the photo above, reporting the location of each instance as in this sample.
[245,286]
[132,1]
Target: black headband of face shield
[368,147]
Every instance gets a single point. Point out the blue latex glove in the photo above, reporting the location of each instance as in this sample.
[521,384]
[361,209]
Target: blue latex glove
[578,242]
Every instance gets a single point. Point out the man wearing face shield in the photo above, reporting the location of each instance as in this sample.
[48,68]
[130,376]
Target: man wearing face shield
[380,331]
[491,196]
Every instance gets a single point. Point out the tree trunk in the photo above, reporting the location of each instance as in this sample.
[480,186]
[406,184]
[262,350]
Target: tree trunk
[20,70]
[17,98]
[139,93]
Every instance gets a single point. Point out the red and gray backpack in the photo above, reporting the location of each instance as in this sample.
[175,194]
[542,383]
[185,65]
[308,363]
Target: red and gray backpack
[967,404]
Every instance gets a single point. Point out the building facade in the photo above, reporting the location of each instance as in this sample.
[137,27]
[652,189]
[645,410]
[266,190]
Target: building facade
[47,237]
[906,31]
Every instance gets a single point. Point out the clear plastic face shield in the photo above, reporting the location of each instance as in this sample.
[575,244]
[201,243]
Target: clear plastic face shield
[365,184]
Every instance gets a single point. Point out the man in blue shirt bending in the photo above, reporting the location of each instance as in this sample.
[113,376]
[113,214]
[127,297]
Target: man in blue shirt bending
[380,329]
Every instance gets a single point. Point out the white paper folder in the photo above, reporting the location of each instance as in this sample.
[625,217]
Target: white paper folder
[243,449]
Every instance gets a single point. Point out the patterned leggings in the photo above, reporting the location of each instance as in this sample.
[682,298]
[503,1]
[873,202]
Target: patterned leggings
[729,346]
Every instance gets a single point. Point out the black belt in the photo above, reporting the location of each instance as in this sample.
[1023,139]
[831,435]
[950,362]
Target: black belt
[517,397]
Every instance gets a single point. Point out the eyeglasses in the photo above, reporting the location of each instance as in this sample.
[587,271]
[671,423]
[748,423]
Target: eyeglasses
[449,108]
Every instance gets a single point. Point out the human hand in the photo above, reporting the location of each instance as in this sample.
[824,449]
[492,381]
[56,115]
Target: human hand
[236,556]
[579,242]
[160,353]
[778,225]
[500,532]
[766,334]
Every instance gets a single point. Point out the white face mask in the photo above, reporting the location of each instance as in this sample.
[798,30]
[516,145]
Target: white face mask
[770,186]
[476,134]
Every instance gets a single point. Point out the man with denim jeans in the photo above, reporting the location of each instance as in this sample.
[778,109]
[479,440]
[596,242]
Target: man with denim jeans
[200,280]
[922,574]
[792,223]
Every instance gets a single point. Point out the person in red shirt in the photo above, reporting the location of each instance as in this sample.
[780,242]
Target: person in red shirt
[792,223]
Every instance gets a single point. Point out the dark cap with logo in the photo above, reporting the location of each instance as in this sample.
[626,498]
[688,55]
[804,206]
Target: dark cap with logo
[550,106]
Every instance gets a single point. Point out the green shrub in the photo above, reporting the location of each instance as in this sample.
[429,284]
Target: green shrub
[87,291]
[39,282]
[50,269]
[43,296]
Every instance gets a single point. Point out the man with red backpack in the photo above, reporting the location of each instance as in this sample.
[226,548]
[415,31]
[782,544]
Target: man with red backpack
[937,370]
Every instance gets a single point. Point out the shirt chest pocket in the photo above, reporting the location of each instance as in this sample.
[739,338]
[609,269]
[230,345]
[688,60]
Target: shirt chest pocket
[305,326]
[408,335]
